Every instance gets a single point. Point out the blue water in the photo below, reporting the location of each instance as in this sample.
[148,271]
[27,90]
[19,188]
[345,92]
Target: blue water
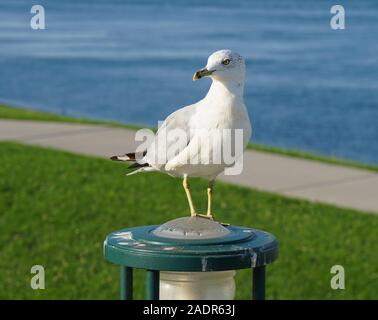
[308,87]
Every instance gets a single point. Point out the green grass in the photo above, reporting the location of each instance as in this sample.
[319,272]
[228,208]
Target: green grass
[56,209]
[7,112]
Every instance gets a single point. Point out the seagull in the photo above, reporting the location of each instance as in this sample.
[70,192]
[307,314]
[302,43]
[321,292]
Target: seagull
[222,108]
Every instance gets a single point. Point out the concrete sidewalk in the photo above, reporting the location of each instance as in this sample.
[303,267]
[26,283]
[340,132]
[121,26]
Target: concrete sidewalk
[306,179]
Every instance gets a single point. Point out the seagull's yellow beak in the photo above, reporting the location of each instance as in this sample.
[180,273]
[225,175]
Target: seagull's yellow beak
[201,73]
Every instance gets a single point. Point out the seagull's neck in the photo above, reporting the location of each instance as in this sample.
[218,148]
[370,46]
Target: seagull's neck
[225,90]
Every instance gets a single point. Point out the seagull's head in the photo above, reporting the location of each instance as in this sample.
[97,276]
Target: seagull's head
[224,66]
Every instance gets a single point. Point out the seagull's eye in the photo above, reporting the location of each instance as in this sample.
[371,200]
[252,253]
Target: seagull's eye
[226,62]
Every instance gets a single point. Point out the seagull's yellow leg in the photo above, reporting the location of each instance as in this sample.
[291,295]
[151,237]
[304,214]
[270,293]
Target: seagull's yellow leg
[186,186]
[209,199]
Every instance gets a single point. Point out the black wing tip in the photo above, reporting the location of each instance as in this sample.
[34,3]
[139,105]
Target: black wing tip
[130,156]
[138,165]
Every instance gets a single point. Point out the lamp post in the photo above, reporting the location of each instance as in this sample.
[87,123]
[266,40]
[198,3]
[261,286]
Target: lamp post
[191,258]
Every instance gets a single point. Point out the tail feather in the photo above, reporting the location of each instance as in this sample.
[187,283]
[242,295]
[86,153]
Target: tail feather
[141,169]
[138,165]
[119,158]
[131,157]
[126,157]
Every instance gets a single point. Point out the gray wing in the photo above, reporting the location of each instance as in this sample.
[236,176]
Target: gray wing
[162,148]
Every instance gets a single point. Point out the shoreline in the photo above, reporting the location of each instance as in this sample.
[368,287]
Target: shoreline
[24,113]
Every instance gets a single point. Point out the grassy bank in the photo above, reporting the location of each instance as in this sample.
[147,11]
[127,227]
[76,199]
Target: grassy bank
[7,112]
[56,209]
